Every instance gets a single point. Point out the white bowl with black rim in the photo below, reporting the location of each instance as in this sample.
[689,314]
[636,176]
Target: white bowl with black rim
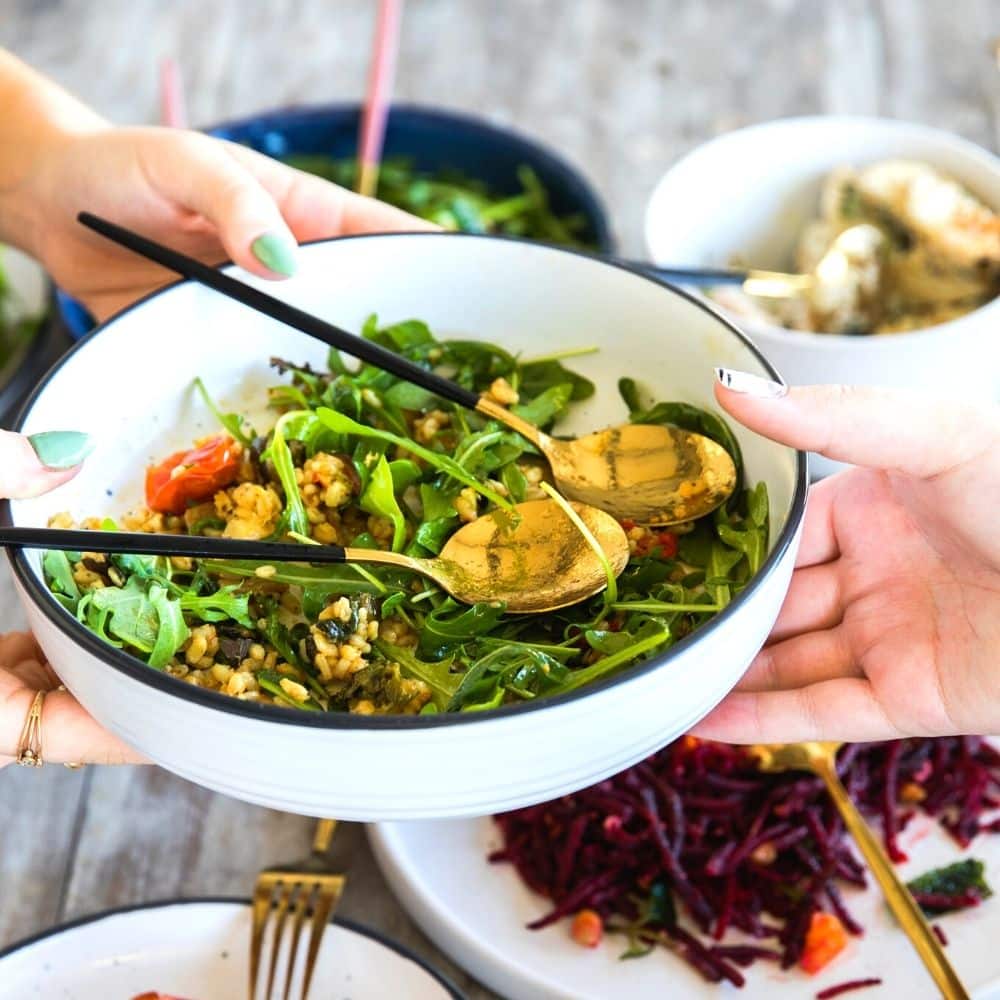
[129,385]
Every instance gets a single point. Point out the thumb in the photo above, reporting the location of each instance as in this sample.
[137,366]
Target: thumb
[203,176]
[33,465]
[893,429]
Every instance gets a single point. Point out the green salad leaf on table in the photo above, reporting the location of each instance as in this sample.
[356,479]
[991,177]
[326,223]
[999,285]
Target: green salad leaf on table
[415,467]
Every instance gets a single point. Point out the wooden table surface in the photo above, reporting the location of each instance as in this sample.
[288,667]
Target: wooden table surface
[622,87]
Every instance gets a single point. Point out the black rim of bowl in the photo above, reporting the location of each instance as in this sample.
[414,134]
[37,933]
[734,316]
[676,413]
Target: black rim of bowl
[135,668]
[162,904]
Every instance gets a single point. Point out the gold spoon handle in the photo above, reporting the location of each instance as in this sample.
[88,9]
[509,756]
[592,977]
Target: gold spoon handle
[900,901]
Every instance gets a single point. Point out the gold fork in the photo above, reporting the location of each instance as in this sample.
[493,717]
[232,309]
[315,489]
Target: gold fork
[821,759]
[296,893]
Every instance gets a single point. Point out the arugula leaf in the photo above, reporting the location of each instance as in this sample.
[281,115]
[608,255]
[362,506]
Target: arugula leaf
[172,631]
[294,517]
[270,681]
[344,425]
[651,637]
[379,498]
[133,618]
[232,422]
[437,676]
[330,579]
[452,624]
[59,572]
[223,605]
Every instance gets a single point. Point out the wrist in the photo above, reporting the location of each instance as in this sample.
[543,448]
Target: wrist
[40,120]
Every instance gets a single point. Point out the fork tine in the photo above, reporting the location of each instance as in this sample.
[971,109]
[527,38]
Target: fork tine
[261,908]
[328,896]
[286,892]
[300,908]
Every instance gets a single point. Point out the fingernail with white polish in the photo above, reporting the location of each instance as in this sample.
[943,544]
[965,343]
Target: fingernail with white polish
[61,449]
[748,384]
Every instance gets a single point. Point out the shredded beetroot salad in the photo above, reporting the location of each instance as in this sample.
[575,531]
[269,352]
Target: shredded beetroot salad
[695,840]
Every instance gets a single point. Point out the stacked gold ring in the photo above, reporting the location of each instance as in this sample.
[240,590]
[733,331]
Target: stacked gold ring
[29,745]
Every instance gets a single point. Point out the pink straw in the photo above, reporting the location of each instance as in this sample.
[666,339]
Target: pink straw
[376,109]
[172,112]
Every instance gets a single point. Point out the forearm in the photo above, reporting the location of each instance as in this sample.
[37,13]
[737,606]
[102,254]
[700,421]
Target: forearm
[36,116]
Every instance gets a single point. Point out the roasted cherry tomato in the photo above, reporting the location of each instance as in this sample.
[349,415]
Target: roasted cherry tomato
[192,476]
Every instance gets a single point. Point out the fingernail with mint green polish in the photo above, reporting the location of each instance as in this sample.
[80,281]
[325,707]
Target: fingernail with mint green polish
[276,252]
[748,384]
[61,449]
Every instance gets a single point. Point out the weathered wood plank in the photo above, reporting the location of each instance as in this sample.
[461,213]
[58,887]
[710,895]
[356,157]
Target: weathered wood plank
[39,817]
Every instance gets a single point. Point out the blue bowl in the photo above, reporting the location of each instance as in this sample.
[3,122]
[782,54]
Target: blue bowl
[431,139]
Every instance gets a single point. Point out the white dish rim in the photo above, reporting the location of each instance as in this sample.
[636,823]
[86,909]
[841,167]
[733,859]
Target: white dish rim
[133,667]
[836,341]
[161,904]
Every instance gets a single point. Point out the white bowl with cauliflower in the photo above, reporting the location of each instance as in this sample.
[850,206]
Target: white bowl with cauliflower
[896,222]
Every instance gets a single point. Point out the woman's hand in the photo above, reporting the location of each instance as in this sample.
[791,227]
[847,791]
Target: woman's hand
[68,732]
[205,197]
[891,626]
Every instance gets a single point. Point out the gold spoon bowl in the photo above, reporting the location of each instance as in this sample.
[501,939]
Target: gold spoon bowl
[533,559]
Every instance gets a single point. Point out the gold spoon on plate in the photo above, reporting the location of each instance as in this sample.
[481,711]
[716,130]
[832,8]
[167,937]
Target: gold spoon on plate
[648,473]
[533,558]
[820,758]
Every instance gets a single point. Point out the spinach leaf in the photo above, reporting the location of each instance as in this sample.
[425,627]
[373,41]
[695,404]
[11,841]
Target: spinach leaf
[534,377]
[544,409]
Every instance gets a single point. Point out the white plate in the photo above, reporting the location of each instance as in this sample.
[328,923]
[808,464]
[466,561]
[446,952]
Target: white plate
[476,912]
[198,949]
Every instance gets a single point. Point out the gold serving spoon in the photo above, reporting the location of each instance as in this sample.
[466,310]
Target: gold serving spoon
[533,558]
[648,473]
[820,758]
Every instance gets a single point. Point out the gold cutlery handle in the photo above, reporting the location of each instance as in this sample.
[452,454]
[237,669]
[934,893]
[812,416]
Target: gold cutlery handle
[325,829]
[899,898]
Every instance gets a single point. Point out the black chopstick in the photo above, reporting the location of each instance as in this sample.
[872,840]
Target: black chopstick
[143,544]
[334,336]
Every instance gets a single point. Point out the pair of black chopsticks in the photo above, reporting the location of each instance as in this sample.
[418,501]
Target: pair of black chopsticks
[226,548]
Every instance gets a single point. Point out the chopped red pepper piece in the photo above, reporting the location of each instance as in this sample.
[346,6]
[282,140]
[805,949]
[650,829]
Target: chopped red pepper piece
[825,939]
